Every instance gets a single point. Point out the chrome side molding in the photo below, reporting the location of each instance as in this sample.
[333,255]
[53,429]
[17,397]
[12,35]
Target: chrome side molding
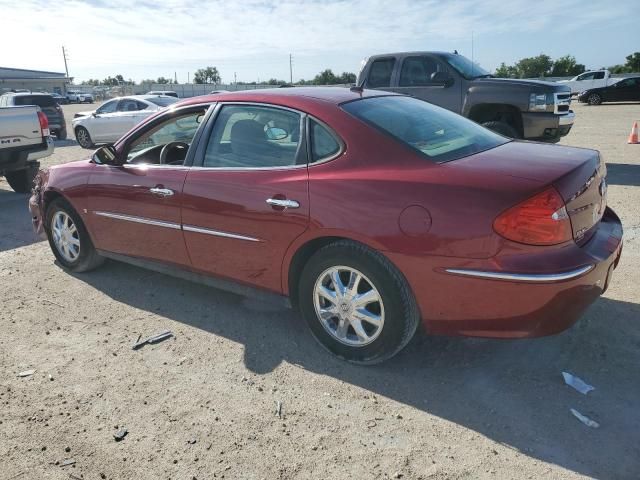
[218,233]
[523,277]
[131,218]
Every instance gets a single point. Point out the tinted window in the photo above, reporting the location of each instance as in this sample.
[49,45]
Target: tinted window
[253,137]
[586,76]
[162,101]
[141,106]
[128,105]
[629,82]
[464,66]
[598,75]
[108,107]
[417,71]
[323,143]
[436,133]
[380,73]
[40,100]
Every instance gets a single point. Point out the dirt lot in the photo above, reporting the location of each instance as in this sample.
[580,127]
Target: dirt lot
[203,405]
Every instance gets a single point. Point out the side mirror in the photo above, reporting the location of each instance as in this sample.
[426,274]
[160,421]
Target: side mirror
[444,78]
[106,155]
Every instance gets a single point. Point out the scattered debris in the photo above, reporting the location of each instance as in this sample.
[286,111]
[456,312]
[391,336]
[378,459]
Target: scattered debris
[120,434]
[52,302]
[73,477]
[191,441]
[182,360]
[50,378]
[586,420]
[153,339]
[26,373]
[66,463]
[577,383]
[371,424]
[279,409]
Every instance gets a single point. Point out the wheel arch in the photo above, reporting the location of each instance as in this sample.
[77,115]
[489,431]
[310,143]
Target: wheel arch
[497,112]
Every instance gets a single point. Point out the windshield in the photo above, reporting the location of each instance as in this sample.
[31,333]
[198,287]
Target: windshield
[465,67]
[435,133]
[162,101]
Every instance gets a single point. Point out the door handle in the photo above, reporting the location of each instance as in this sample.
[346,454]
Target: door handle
[278,202]
[161,192]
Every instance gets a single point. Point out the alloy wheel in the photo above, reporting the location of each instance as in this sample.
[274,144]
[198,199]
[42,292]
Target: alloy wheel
[65,236]
[349,306]
[83,137]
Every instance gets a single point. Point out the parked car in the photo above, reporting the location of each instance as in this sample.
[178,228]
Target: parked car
[76,96]
[116,117]
[589,80]
[60,100]
[527,109]
[370,211]
[626,90]
[47,104]
[168,93]
[24,138]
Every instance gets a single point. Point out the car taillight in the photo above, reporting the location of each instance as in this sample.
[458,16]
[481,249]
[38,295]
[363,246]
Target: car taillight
[44,124]
[539,220]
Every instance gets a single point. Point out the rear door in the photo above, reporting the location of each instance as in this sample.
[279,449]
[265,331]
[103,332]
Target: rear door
[246,198]
[415,78]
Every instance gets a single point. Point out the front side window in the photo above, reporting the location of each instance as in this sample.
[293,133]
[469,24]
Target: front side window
[586,76]
[417,71]
[247,136]
[167,142]
[323,144]
[435,133]
[108,107]
[380,73]
[163,101]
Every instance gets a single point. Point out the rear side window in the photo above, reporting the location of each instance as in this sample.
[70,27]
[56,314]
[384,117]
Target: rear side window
[39,100]
[323,143]
[598,75]
[417,71]
[127,105]
[435,133]
[380,73]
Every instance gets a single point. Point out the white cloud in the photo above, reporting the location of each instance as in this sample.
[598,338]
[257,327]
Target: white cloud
[254,38]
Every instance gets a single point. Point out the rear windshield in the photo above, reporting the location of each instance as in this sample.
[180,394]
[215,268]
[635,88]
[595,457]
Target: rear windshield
[40,100]
[162,102]
[435,133]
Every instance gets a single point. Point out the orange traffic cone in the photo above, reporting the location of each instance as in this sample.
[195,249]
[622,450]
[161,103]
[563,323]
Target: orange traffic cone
[633,136]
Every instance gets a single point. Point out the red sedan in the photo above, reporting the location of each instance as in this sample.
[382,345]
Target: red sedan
[369,211]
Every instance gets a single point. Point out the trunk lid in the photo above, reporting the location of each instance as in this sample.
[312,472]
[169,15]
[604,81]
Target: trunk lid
[578,174]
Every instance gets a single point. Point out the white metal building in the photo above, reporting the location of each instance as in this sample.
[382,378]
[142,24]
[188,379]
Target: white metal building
[33,80]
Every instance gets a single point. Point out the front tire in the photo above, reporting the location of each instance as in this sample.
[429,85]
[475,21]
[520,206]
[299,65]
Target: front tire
[21,181]
[356,303]
[83,138]
[502,128]
[594,99]
[69,239]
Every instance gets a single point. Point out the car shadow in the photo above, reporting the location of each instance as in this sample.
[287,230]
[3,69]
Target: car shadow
[16,230]
[64,143]
[623,174]
[509,391]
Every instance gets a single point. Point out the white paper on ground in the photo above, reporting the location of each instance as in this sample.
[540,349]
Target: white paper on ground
[577,383]
[586,420]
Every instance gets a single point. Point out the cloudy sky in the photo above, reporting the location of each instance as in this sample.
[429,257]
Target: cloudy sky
[253,38]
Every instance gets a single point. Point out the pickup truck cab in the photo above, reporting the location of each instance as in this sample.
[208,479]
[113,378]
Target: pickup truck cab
[24,138]
[528,109]
[589,80]
[47,103]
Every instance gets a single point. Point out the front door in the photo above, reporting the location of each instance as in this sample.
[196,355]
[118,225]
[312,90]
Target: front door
[104,123]
[246,198]
[135,207]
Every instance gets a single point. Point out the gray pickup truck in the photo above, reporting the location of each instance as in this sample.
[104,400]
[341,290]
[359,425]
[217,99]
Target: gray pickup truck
[528,109]
[24,138]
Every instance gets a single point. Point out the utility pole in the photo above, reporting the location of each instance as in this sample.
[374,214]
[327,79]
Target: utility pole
[291,69]
[175,77]
[64,55]
[188,81]
[235,80]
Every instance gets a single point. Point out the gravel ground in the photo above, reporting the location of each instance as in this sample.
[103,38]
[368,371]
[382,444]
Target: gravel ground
[203,405]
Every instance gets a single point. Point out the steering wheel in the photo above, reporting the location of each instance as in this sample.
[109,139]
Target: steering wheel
[170,146]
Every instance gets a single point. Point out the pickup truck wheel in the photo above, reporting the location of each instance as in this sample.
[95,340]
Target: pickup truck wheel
[594,99]
[21,181]
[502,128]
[69,239]
[83,137]
[357,304]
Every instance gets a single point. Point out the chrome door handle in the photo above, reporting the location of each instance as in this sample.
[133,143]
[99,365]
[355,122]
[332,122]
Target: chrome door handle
[161,192]
[277,202]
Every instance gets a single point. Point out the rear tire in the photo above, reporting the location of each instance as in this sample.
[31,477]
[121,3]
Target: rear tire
[389,314]
[594,99]
[502,128]
[69,239]
[21,181]
[83,137]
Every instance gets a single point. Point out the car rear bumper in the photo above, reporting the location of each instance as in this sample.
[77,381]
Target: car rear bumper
[477,298]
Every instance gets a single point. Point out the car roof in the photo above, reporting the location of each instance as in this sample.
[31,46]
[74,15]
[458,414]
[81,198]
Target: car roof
[24,94]
[409,54]
[332,95]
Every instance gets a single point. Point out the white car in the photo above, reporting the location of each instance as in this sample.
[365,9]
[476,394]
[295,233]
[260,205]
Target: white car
[79,97]
[116,117]
[588,80]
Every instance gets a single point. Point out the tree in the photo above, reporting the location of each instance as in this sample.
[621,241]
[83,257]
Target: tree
[347,77]
[325,77]
[206,75]
[163,80]
[506,71]
[275,81]
[567,67]
[532,67]
[633,62]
